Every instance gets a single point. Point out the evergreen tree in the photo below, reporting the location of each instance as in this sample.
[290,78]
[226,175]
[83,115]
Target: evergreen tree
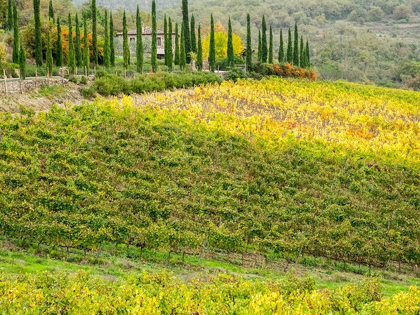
[170,49]
[212,52]
[111,39]
[9,15]
[95,56]
[308,59]
[59,53]
[259,46]
[126,47]
[281,48]
[248,43]
[264,52]
[199,50]
[182,55]
[302,54]
[154,38]
[185,18]
[107,50]
[38,35]
[289,48]
[71,61]
[51,11]
[15,55]
[139,42]
[230,55]
[165,36]
[78,47]
[176,61]
[270,51]
[22,61]
[296,48]
[193,38]
[49,57]
[86,55]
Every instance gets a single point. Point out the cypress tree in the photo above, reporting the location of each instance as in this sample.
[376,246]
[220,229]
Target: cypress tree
[94,34]
[38,35]
[308,59]
[270,51]
[264,53]
[59,53]
[15,55]
[296,48]
[185,18]
[71,61]
[230,54]
[107,51]
[176,61]
[199,50]
[9,15]
[51,11]
[212,52]
[259,46]
[111,39]
[289,48]
[139,42]
[281,48]
[165,36]
[193,38]
[302,54]
[154,38]
[248,43]
[49,57]
[22,61]
[170,50]
[182,55]
[126,48]
[78,48]
[86,55]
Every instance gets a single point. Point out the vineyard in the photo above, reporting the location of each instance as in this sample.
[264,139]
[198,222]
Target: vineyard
[282,168]
[159,293]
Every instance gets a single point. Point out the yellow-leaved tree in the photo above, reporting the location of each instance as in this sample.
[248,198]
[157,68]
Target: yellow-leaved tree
[221,40]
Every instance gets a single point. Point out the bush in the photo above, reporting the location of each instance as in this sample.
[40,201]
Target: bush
[84,80]
[235,73]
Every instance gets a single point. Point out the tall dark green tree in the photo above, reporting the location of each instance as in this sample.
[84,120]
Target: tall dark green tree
[95,56]
[193,37]
[212,48]
[139,42]
[170,51]
[302,54]
[15,54]
[107,49]
[182,55]
[248,43]
[230,55]
[271,48]
[185,19]
[176,59]
[289,55]
[71,60]
[259,46]
[38,35]
[59,52]
[165,36]
[199,50]
[281,48]
[154,38]
[51,11]
[49,57]
[78,47]
[296,48]
[9,15]
[126,47]
[111,39]
[308,58]
[86,54]
[22,61]
[264,52]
